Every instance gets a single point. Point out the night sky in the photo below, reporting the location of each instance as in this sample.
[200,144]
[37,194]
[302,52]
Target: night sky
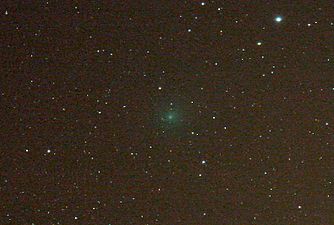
[167,112]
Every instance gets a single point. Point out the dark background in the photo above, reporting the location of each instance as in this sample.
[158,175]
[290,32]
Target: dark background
[86,87]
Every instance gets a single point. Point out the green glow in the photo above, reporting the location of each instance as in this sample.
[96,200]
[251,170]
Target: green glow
[170,121]
[170,117]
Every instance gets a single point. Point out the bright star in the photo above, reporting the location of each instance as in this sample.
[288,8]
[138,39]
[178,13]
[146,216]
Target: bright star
[278,19]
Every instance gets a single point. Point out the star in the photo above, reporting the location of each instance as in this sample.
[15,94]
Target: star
[278,19]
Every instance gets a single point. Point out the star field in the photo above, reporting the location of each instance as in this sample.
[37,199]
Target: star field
[167,112]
